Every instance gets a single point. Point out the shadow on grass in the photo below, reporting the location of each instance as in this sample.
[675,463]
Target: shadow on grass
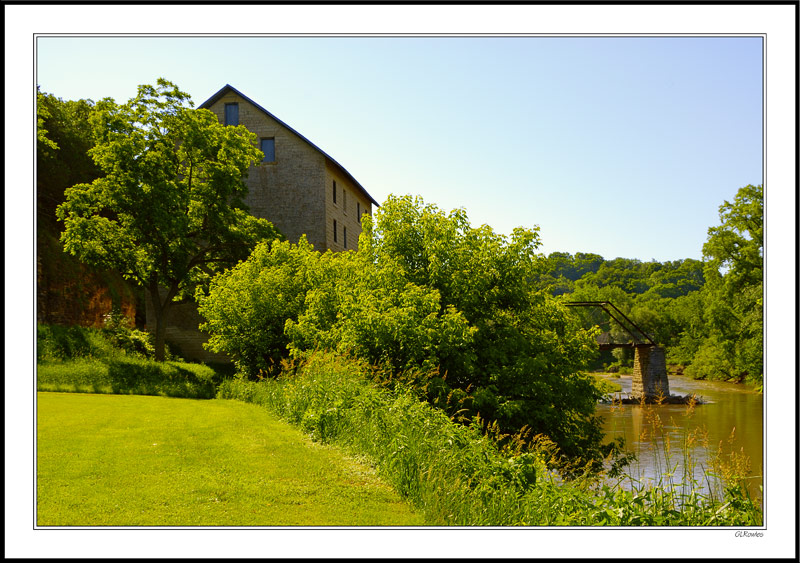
[131,376]
[161,378]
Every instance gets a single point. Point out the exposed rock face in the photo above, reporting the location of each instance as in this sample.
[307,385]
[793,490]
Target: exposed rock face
[70,293]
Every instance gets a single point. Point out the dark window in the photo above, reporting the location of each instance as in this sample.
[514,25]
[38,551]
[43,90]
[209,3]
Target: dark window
[358,211]
[345,236]
[231,114]
[344,201]
[268,148]
[334,231]
[334,191]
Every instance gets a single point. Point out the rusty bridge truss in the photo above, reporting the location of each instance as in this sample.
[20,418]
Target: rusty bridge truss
[640,337]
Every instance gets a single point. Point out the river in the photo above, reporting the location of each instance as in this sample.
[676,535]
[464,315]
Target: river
[731,416]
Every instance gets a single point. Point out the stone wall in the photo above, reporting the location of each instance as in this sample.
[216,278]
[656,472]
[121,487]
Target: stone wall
[182,334]
[350,204]
[649,372]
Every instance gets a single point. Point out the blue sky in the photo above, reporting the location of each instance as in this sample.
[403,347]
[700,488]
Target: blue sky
[622,146]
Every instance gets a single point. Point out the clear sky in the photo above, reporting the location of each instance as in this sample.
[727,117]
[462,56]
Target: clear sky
[621,146]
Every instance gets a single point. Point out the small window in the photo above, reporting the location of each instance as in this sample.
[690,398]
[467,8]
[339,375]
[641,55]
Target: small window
[334,231]
[344,201]
[268,148]
[334,192]
[358,211]
[345,236]
[231,114]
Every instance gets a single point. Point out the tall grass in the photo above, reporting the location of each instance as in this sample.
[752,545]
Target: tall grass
[675,482]
[455,474]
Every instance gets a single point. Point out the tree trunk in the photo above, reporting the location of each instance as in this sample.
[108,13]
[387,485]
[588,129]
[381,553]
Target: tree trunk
[160,310]
[161,331]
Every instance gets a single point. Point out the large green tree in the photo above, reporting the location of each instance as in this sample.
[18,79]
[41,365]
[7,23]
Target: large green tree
[733,298]
[168,211]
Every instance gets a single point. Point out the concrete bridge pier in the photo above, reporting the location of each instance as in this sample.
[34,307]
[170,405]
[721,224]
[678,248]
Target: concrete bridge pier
[649,372]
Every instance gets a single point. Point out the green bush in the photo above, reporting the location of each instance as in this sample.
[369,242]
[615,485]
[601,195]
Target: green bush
[380,317]
[247,307]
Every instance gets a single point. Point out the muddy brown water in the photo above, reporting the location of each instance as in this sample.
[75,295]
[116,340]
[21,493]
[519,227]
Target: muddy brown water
[731,418]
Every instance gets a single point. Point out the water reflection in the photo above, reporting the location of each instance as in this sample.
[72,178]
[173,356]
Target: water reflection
[732,417]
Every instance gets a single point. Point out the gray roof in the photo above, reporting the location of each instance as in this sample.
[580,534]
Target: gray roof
[228,88]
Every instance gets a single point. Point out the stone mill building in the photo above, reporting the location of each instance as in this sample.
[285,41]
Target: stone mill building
[297,186]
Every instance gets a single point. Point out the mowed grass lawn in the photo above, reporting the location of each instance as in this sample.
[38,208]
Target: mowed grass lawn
[122,460]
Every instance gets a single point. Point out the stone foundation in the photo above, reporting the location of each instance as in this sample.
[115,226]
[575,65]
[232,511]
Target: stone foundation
[649,372]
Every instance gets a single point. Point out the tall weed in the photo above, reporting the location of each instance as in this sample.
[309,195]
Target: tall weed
[58,343]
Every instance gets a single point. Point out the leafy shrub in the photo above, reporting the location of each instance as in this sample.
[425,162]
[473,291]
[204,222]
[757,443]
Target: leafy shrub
[246,307]
[134,341]
[426,294]
[381,318]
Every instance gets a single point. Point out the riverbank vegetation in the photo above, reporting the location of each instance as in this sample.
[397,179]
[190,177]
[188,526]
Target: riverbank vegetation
[459,474]
[450,472]
[432,302]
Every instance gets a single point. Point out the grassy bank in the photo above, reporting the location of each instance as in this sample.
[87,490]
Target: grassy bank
[90,360]
[106,460]
[131,376]
[457,476]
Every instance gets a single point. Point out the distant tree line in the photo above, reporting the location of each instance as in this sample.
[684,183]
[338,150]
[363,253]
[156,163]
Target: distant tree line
[709,313]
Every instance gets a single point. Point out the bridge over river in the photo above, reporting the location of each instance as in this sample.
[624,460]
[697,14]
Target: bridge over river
[650,381]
